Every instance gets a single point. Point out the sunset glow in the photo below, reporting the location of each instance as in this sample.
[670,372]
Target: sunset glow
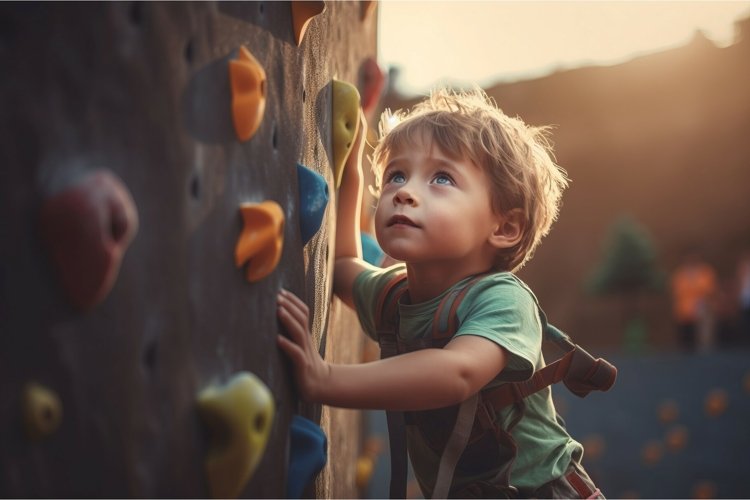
[489,41]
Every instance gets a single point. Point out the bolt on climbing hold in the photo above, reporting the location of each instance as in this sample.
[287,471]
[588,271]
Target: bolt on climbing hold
[248,81]
[344,124]
[42,411]
[239,416]
[313,200]
[302,14]
[261,240]
[86,229]
[677,438]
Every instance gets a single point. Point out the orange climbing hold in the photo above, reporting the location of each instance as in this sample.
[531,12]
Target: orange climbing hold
[677,438]
[668,412]
[261,240]
[302,14]
[248,81]
[716,402]
[652,452]
[344,123]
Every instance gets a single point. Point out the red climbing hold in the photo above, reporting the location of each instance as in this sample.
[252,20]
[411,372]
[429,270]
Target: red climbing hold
[86,229]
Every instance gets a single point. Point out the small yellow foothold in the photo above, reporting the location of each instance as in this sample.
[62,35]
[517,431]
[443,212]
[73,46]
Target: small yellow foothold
[261,240]
[42,411]
[239,416]
[344,123]
[248,81]
[302,14]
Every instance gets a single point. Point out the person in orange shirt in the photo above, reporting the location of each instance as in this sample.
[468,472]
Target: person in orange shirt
[693,285]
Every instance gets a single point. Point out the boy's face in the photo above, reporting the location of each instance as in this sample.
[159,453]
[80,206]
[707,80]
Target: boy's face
[434,209]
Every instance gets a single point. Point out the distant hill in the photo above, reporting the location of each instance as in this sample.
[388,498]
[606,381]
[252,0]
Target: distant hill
[664,138]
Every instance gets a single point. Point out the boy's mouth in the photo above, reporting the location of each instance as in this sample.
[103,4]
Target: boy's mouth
[401,219]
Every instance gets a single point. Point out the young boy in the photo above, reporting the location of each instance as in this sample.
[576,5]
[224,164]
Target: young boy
[464,191]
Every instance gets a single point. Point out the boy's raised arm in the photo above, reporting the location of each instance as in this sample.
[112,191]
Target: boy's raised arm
[349,263]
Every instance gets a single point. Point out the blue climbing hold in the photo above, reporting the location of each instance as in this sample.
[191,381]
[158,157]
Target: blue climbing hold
[307,457]
[313,200]
[371,251]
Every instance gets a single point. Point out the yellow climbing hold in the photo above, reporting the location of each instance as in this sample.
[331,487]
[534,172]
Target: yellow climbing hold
[248,82]
[42,411]
[239,416]
[344,123]
[261,240]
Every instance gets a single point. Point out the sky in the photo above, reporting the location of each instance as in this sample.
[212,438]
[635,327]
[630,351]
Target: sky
[484,42]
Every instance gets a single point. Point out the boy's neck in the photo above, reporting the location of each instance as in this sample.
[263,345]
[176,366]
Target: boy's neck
[428,282]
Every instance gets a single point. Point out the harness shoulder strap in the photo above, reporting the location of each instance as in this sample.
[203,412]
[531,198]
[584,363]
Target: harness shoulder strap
[386,325]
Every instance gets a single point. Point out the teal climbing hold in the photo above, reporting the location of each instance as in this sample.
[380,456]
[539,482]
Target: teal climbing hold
[313,200]
[307,456]
[371,251]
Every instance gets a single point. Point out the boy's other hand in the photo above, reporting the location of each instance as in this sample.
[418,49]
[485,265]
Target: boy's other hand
[310,370]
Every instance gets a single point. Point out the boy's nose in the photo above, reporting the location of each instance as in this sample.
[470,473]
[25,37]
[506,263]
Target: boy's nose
[403,197]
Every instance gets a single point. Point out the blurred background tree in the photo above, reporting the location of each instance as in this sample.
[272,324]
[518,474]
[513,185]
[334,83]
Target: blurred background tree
[628,270]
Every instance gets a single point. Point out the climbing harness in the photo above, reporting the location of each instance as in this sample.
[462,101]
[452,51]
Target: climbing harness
[475,432]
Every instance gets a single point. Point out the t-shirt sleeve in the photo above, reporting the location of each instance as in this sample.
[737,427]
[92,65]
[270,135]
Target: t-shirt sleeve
[505,313]
[366,289]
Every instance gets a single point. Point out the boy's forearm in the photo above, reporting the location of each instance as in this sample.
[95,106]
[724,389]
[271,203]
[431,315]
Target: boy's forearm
[348,211]
[420,380]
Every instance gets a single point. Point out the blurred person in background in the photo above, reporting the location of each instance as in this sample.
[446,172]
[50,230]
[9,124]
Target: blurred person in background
[693,287]
[743,296]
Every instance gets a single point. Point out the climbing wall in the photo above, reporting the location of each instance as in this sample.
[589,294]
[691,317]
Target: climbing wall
[152,158]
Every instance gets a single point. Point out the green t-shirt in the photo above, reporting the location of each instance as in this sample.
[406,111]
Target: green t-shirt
[502,309]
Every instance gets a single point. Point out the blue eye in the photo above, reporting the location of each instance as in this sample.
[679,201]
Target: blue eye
[443,179]
[396,177]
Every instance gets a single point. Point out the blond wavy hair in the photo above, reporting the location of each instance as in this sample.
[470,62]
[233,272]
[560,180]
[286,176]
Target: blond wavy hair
[516,157]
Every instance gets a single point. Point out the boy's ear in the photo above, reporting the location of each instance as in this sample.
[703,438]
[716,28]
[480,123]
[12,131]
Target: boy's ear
[509,229]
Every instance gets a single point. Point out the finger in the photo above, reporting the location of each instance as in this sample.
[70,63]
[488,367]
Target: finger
[291,349]
[296,330]
[296,307]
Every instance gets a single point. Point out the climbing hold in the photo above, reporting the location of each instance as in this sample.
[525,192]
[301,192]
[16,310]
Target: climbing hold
[42,411]
[652,452]
[261,240]
[366,462]
[677,438]
[366,7]
[248,81]
[746,382]
[668,411]
[313,200]
[239,416]
[345,124]
[705,489]
[372,81]
[302,14]
[716,402]
[371,251]
[307,457]
[593,446]
[86,229]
